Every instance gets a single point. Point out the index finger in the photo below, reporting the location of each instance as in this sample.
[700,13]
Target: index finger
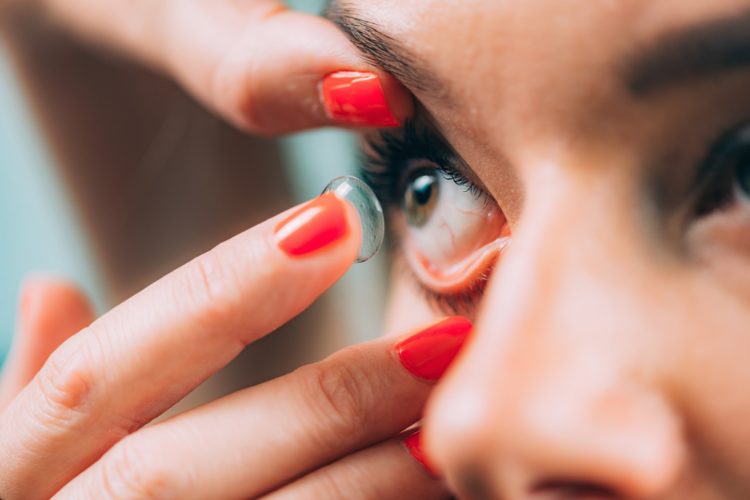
[257,63]
[258,439]
[146,354]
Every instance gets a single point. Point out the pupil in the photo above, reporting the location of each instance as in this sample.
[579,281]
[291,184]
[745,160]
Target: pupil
[420,198]
[423,188]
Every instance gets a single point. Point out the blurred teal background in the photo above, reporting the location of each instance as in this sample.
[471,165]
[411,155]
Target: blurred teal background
[41,233]
[38,228]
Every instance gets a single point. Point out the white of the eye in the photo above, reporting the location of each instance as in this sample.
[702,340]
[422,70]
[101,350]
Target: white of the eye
[460,223]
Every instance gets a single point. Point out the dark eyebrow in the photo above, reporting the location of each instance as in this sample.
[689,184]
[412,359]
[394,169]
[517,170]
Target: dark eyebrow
[382,50]
[693,53]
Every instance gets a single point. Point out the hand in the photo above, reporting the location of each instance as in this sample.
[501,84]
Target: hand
[329,430]
[255,62]
[50,311]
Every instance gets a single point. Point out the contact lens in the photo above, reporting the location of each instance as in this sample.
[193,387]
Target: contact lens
[371,218]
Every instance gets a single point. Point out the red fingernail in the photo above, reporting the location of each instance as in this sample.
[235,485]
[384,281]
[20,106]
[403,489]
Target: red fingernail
[357,98]
[413,443]
[429,353]
[314,226]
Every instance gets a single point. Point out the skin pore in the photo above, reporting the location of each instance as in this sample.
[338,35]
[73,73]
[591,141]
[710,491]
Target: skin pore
[609,354]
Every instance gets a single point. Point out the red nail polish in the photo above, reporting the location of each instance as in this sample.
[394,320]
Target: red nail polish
[314,226]
[357,98]
[413,443]
[429,353]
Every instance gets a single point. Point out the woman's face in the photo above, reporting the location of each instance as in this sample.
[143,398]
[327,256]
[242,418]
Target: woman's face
[598,154]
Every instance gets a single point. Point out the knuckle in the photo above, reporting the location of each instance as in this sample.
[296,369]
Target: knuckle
[66,383]
[341,394]
[208,285]
[235,92]
[248,104]
[130,470]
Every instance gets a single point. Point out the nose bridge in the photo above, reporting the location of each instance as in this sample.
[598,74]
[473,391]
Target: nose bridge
[564,314]
[558,355]
[576,258]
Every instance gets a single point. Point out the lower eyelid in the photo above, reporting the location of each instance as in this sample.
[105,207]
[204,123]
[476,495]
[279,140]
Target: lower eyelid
[728,228]
[460,276]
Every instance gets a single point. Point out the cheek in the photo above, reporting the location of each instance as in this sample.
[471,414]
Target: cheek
[407,308]
[721,245]
[715,376]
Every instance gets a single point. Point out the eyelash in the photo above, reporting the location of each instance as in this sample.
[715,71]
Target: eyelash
[714,191]
[385,169]
[388,162]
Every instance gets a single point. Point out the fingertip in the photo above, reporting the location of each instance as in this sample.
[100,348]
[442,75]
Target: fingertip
[364,98]
[27,299]
[400,99]
[269,82]
[51,306]
[415,446]
[322,225]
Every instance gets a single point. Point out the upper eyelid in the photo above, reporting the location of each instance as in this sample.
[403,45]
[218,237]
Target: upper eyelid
[710,188]
[713,168]
[390,151]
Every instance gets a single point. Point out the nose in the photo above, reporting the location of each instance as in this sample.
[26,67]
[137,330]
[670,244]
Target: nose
[560,393]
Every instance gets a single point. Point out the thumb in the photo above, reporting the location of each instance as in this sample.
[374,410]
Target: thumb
[50,311]
[259,64]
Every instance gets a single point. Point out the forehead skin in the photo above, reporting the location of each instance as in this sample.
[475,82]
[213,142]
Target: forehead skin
[482,47]
[535,73]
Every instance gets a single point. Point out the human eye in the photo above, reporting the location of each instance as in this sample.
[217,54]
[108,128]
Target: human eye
[450,231]
[719,234]
[726,174]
